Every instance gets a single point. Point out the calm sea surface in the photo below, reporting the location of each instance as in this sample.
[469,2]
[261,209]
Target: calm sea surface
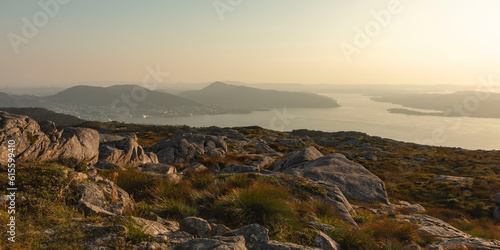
[359,113]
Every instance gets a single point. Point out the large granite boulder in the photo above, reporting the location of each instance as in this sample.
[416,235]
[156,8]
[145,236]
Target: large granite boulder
[103,197]
[325,242]
[32,144]
[125,152]
[185,148]
[77,143]
[196,226]
[298,159]
[337,199]
[355,181]
[256,236]
[153,228]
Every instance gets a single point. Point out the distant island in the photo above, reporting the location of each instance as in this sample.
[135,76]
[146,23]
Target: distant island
[413,112]
[127,101]
[463,103]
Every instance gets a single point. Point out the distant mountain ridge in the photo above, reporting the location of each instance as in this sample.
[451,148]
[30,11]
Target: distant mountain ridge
[119,101]
[220,93]
[20,101]
[100,96]
[41,114]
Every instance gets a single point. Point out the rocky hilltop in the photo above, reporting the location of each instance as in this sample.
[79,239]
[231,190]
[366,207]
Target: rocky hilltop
[125,186]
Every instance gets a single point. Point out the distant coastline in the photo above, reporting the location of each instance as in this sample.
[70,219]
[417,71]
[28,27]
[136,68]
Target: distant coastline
[461,103]
[413,112]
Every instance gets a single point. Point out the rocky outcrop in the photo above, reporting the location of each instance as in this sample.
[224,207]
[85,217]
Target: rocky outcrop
[325,228]
[256,236]
[448,236]
[337,199]
[125,152]
[467,243]
[496,198]
[260,146]
[415,208]
[101,234]
[463,180]
[262,162]
[496,210]
[239,169]
[196,226]
[430,226]
[33,145]
[153,228]
[291,143]
[102,197]
[217,242]
[325,242]
[186,147]
[298,159]
[195,167]
[355,181]
[108,166]
[276,245]
[202,228]
[157,168]
[78,143]
[48,127]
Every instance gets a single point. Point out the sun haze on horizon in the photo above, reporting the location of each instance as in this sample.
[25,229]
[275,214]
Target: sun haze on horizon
[56,42]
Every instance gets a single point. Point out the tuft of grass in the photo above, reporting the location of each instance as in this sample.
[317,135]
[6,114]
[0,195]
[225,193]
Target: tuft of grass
[172,190]
[304,209]
[174,209]
[261,203]
[362,217]
[327,214]
[72,163]
[304,190]
[240,180]
[199,179]
[143,210]
[137,184]
[355,239]
[135,235]
[31,138]
[445,213]
[48,204]
[400,231]
[481,228]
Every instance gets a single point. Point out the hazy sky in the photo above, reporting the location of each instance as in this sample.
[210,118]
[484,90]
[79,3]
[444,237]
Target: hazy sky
[254,41]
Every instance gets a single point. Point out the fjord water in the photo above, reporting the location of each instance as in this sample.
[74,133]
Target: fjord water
[359,113]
